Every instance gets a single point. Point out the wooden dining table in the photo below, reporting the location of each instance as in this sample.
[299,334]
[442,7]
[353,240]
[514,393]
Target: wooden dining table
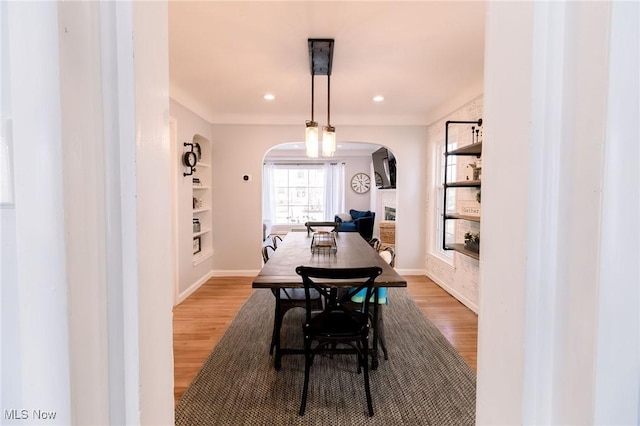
[351,251]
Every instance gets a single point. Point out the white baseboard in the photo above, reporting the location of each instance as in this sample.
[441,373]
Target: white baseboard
[421,272]
[182,296]
[236,273]
[466,302]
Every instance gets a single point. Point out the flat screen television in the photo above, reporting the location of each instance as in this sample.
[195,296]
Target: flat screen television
[384,168]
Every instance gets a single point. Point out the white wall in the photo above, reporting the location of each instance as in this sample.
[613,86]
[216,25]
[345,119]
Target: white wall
[86,333]
[189,276]
[154,360]
[617,392]
[501,344]
[354,200]
[35,336]
[558,285]
[237,211]
[85,203]
[460,277]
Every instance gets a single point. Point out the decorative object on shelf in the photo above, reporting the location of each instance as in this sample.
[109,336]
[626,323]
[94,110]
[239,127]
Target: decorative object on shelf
[197,150]
[320,61]
[478,196]
[476,134]
[476,170]
[472,242]
[196,225]
[196,181]
[469,208]
[361,183]
[189,159]
[196,245]
[197,204]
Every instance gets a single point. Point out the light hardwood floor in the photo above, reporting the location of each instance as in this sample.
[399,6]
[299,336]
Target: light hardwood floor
[200,321]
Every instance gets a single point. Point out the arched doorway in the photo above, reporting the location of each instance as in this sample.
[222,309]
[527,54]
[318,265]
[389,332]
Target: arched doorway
[373,164]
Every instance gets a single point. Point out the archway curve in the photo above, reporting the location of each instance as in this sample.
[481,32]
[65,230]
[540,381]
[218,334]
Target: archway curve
[358,158]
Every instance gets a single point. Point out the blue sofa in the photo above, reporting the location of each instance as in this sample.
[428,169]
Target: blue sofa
[361,222]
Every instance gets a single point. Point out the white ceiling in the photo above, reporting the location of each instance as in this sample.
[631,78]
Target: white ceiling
[425,58]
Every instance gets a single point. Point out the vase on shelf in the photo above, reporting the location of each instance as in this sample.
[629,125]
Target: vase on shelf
[472,246]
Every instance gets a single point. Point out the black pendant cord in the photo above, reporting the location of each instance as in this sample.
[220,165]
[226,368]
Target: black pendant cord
[313,78]
[312,91]
[328,100]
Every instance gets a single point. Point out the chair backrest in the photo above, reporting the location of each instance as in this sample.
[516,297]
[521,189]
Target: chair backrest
[389,256]
[266,250]
[275,240]
[364,225]
[319,279]
[375,243]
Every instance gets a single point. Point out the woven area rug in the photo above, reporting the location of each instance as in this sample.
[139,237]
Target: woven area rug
[424,382]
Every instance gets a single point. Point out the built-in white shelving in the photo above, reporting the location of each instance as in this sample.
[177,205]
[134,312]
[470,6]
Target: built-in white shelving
[201,199]
[204,231]
[201,257]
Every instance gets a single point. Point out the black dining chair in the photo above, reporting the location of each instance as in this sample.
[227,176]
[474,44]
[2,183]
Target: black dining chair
[338,325]
[286,299]
[389,256]
[275,240]
[375,243]
[267,250]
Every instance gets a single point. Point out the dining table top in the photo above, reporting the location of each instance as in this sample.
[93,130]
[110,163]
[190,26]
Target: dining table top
[351,251]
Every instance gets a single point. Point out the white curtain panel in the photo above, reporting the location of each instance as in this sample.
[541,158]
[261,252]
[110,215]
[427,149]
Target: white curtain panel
[268,194]
[334,190]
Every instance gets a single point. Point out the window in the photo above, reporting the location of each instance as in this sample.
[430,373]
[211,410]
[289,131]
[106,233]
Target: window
[298,193]
[449,231]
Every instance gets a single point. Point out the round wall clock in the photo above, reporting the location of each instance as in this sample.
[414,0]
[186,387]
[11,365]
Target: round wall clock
[189,159]
[361,183]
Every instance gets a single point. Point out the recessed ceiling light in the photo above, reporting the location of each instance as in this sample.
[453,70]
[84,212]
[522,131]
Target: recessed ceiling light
[378,98]
[269,97]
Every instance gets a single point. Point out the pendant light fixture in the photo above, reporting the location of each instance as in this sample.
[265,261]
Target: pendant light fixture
[320,61]
[328,131]
[311,131]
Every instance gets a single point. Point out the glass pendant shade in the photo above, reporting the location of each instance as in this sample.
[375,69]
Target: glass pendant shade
[311,139]
[328,141]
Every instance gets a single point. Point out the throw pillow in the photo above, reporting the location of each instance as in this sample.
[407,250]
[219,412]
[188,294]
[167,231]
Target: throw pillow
[357,214]
[345,217]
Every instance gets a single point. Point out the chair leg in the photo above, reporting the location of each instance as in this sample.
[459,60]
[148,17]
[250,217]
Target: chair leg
[367,388]
[276,315]
[359,356]
[307,368]
[380,328]
[273,335]
[376,336]
[279,315]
